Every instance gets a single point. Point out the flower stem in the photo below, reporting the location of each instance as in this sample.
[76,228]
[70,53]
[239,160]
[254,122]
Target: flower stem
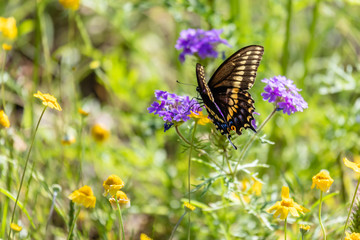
[322,226]
[351,206]
[177,225]
[285,57]
[285,225]
[26,163]
[189,171]
[3,82]
[80,150]
[181,136]
[73,224]
[251,140]
[121,227]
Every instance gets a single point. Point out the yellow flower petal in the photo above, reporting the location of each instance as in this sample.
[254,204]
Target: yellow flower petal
[99,133]
[6,47]
[256,188]
[143,236]
[83,112]
[113,184]
[8,27]
[200,118]
[48,100]
[83,196]
[4,120]
[15,227]
[352,236]
[123,200]
[285,192]
[352,165]
[322,181]
[189,206]
[70,4]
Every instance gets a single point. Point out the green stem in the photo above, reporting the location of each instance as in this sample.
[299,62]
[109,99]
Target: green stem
[80,150]
[351,206]
[285,225]
[121,227]
[181,136]
[177,225]
[84,35]
[73,224]
[251,140]
[26,163]
[3,82]
[321,224]
[285,57]
[189,171]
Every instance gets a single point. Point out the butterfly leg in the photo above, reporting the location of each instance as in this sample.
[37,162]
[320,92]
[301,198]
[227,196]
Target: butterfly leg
[228,137]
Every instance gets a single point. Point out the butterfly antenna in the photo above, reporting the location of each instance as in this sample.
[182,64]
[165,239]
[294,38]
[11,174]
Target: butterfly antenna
[228,137]
[186,83]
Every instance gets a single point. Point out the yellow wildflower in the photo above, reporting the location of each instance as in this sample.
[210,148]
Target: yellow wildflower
[4,120]
[6,47]
[353,236]
[286,205]
[352,165]
[121,197]
[143,236]
[94,64]
[304,228]
[83,112]
[48,100]
[322,181]
[113,184]
[8,27]
[200,118]
[83,196]
[256,187]
[99,133]
[68,140]
[189,206]
[70,4]
[15,227]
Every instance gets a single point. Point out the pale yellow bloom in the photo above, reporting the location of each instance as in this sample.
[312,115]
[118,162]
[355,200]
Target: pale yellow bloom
[286,205]
[94,64]
[83,112]
[6,47]
[83,196]
[15,227]
[113,184]
[4,120]
[200,118]
[322,181]
[352,236]
[99,133]
[70,4]
[304,228]
[123,200]
[352,165]
[143,236]
[256,187]
[189,206]
[68,140]
[8,27]
[48,100]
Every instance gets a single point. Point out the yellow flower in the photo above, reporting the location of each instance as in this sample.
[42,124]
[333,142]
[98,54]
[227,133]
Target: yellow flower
[83,112]
[352,165]
[189,206]
[286,205]
[99,133]
[94,64]
[353,236]
[304,228]
[123,200]
[8,27]
[256,187]
[83,196]
[48,100]
[113,184]
[200,118]
[6,47]
[4,120]
[322,181]
[68,140]
[70,4]
[15,227]
[143,236]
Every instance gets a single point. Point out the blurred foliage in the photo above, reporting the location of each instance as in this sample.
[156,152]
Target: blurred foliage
[313,42]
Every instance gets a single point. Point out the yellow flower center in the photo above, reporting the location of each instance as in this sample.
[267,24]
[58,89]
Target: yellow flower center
[287,202]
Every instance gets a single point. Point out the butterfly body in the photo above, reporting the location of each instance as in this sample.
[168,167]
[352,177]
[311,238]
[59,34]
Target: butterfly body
[226,97]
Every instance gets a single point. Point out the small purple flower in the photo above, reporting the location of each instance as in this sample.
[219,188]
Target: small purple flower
[199,41]
[285,94]
[253,122]
[173,108]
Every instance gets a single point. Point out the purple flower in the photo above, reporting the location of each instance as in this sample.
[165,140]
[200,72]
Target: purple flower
[199,41]
[173,108]
[253,122]
[285,94]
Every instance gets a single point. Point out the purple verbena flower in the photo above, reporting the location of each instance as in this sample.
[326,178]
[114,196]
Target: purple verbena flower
[285,94]
[173,108]
[199,41]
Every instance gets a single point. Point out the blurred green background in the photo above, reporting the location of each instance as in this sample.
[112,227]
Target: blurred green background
[315,43]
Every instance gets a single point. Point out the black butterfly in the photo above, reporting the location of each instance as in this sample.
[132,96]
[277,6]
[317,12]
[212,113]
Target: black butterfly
[225,96]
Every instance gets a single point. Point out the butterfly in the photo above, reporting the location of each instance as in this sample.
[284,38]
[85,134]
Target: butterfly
[225,96]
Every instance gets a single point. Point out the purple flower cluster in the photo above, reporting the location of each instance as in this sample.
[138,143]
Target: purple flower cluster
[173,108]
[199,41]
[285,94]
